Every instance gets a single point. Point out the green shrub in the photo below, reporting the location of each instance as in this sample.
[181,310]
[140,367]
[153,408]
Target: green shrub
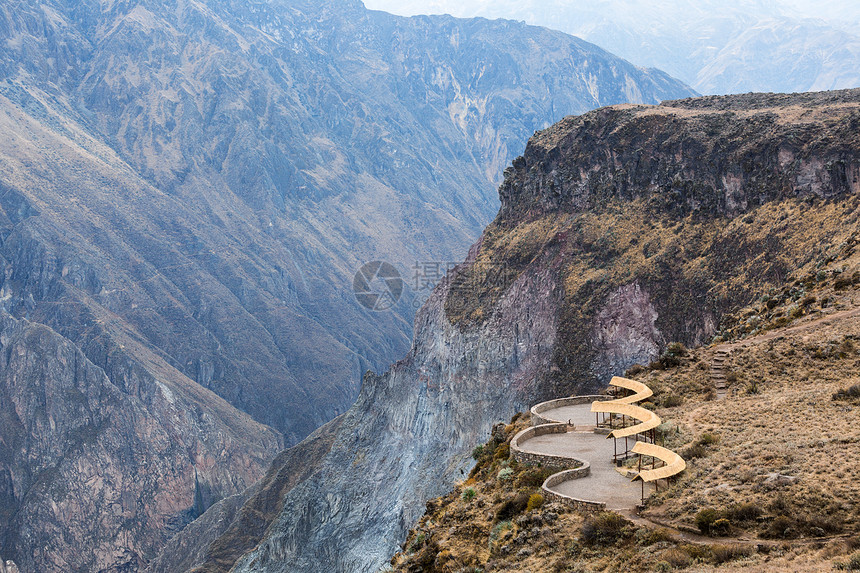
[535,501]
[478,452]
[605,529]
[417,542]
[672,401]
[781,527]
[505,474]
[646,537]
[499,529]
[468,494]
[676,349]
[705,519]
[721,527]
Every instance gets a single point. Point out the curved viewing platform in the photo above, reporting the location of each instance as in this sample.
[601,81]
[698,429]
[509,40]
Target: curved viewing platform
[564,434]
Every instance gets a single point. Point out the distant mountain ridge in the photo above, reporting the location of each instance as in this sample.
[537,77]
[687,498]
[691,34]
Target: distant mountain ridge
[716,47]
[186,189]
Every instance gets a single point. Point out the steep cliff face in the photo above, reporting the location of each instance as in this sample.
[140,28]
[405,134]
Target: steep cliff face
[592,265]
[85,464]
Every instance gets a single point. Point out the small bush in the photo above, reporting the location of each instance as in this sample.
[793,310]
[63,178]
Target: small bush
[478,452]
[672,401]
[842,283]
[512,507]
[705,519]
[604,529]
[502,452]
[676,349]
[708,439]
[744,512]
[648,537]
[721,527]
[853,563]
[781,527]
[676,558]
[505,474]
[634,370]
[468,494]
[694,451]
[535,501]
[417,542]
[533,477]
[726,553]
[848,393]
[499,531]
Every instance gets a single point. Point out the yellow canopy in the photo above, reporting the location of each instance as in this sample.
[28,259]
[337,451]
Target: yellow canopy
[648,420]
[640,390]
[675,464]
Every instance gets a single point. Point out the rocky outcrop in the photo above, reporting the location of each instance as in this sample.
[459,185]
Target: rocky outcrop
[85,464]
[583,273]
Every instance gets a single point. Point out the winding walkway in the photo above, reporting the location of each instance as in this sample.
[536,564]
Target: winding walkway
[603,484]
[564,434]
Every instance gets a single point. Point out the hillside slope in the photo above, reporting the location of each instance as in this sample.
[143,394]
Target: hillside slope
[620,231]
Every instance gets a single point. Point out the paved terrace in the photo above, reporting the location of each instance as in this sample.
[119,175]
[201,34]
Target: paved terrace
[564,433]
[603,483]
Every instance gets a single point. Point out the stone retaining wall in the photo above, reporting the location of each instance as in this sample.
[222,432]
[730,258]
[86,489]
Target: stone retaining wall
[547,460]
[579,504]
[538,409]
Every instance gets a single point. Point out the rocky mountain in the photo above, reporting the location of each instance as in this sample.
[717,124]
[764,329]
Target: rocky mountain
[716,47]
[87,464]
[236,164]
[186,190]
[620,230]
